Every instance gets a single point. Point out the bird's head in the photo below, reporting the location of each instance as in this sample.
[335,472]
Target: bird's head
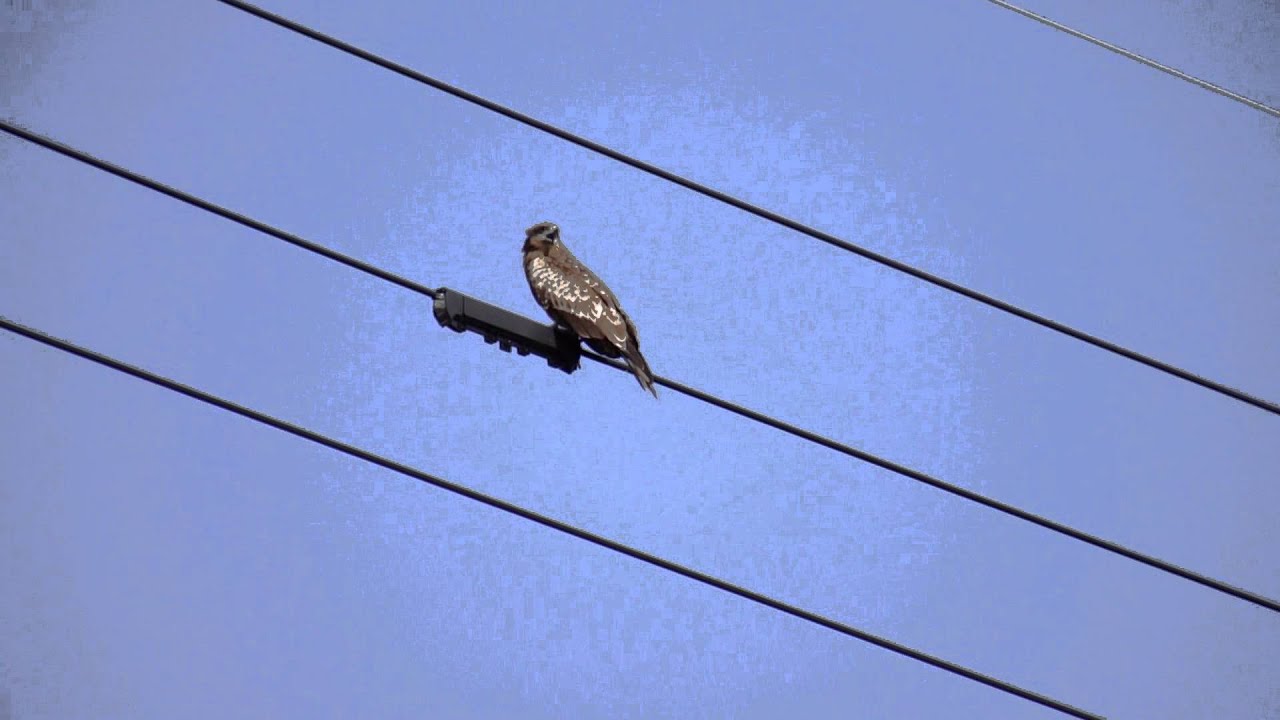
[541,237]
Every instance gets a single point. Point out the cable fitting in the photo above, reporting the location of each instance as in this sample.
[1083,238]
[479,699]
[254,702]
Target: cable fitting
[460,312]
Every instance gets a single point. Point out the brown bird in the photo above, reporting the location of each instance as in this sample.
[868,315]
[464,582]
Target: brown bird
[574,297]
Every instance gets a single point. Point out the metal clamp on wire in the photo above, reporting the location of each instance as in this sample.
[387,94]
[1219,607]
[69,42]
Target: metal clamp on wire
[460,312]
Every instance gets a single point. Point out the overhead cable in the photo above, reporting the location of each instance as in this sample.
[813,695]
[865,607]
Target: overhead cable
[146,182]
[1007,509]
[750,208]
[543,520]
[1139,58]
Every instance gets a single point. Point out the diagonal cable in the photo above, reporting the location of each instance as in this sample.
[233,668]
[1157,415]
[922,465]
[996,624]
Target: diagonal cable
[753,209]
[518,511]
[218,210]
[960,492]
[694,393]
[1138,58]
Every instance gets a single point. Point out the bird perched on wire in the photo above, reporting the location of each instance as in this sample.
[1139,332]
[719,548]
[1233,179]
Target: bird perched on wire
[574,297]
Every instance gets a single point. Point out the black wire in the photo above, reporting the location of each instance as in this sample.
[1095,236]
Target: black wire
[543,520]
[679,387]
[956,490]
[231,215]
[753,209]
[1139,58]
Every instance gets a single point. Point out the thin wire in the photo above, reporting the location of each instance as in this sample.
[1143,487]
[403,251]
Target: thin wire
[231,215]
[543,520]
[753,209]
[681,388]
[956,490]
[1139,58]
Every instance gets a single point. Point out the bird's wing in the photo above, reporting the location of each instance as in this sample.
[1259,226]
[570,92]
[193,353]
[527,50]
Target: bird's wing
[575,295]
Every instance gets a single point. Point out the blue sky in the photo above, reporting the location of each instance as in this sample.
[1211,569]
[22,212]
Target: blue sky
[160,558]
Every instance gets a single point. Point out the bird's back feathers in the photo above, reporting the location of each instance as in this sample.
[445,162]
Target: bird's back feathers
[575,297]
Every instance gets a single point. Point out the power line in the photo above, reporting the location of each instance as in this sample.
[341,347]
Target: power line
[543,520]
[1007,509]
[231,215]
[1139,58]
[694,393]
[753,209]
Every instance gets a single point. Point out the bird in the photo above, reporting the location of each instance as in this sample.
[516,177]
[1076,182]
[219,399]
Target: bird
[576,298]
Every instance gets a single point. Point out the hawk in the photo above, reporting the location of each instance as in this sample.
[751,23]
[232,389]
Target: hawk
[574,297]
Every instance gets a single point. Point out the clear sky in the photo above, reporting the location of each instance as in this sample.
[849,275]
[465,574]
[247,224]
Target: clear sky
[160,559]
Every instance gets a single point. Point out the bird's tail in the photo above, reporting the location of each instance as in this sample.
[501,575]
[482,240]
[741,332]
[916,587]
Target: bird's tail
[640,369]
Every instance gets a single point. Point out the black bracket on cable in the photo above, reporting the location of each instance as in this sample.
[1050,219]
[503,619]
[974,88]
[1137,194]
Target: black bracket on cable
[460,312]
